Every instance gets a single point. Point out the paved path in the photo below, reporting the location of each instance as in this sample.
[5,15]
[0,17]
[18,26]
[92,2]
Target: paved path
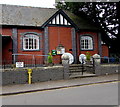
[57,84]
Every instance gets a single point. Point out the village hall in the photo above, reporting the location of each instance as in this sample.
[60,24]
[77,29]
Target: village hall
[28,31]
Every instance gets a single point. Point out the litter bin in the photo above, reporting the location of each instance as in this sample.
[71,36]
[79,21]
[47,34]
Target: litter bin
[105,59]
[112,59]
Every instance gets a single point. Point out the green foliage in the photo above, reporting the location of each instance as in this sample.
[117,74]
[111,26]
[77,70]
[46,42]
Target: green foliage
[88,56]
[104,14]
[50,58]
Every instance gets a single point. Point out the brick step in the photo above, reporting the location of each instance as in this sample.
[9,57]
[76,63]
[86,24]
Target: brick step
[81,76]
[77,70]
[86,65]
[75,73]
[90,65]
[75,65]
[80,68]
[70,68]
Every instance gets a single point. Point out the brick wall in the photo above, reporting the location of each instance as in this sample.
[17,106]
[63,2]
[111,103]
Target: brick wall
[60,35]
[56,36]
[95,44]
[105,51]
[20,50]
[29,58]
[7,44]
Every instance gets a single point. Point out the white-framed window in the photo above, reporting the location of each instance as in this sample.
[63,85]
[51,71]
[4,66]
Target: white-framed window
[31,42]
[86,43]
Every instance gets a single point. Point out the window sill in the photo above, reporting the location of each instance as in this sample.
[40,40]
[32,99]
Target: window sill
[87,49]
[31,50]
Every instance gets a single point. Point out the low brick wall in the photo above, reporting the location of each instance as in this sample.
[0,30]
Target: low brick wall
[38,75]
[102,69]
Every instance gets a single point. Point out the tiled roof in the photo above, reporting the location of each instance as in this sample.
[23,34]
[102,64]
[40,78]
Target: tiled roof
[35,16]
[82,22]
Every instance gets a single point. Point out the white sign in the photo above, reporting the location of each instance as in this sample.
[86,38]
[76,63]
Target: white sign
[62,50]
[58,52]
[19,64]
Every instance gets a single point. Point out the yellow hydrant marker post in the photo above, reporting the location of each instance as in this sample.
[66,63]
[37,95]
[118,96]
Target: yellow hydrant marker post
[29,76]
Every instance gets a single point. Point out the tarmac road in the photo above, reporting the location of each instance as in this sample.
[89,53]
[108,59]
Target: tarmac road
[94,94]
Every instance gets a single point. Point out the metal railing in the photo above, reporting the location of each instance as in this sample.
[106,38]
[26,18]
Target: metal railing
[28,60]
[31,56]
[110,60]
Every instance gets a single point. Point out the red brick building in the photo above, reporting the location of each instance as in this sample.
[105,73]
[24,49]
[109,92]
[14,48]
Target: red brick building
[38,31]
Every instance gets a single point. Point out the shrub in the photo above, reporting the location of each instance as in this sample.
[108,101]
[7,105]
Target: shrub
[50,58]
[88,56]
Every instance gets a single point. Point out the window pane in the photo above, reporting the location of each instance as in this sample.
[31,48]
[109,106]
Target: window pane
[86,46]
[82,44]
[35,43]
[30,42]
[90,45]
[86,43]
[26,43]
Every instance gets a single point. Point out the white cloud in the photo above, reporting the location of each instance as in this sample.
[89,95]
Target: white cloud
[34,3]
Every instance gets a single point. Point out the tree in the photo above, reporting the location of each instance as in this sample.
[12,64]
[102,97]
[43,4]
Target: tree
[104,14]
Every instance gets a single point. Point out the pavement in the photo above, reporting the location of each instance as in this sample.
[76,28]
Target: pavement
[50,85]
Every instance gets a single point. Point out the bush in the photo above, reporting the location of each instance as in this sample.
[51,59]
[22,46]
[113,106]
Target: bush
[88,56]
[50,59]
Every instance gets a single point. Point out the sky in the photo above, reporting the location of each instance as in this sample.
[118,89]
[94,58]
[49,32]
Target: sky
[33,3]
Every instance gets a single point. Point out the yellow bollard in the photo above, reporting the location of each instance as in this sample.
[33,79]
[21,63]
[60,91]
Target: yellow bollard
[29,76]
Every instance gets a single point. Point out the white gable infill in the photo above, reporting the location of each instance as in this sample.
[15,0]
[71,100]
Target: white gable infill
[60,18]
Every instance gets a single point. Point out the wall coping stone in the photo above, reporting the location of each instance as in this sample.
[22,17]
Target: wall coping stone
[110,64]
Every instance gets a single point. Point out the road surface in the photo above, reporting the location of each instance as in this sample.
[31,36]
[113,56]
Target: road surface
[95,94]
